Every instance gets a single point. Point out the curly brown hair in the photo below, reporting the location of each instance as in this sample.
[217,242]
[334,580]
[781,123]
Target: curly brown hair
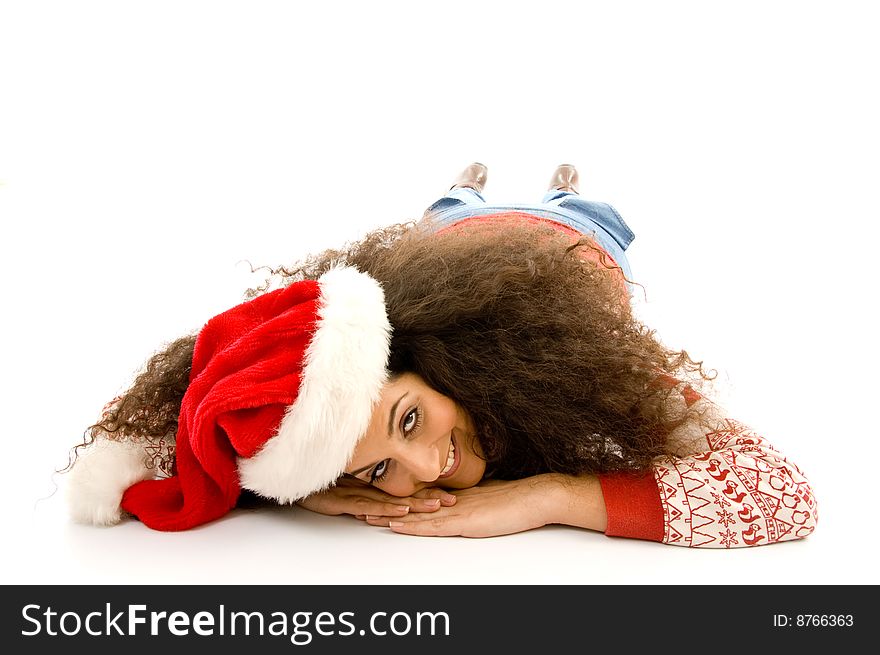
[535,341]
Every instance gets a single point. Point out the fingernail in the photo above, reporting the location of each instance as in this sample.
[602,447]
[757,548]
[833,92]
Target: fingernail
[449,498]
[371,518]
[433,502]
[395,524]
[402,509]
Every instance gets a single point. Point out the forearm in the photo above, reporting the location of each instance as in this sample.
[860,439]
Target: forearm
[576,501]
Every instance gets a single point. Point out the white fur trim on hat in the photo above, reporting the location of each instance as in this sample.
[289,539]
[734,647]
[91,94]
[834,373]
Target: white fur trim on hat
[101,474]
[343,375]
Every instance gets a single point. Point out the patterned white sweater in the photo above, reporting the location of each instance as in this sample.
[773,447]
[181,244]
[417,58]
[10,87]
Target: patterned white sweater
[732,489]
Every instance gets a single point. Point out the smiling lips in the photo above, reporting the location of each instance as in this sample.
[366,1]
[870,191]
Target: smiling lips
[453,458]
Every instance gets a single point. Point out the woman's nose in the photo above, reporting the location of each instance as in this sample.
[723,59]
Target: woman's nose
[423,462]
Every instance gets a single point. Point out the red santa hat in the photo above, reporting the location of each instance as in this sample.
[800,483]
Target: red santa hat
[281,390]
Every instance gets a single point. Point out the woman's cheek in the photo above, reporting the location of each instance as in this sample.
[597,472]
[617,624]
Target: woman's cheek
[398,488]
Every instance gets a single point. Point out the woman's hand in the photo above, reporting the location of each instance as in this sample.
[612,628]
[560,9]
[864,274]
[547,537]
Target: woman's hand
[364,501]
[489,509]
[494,508]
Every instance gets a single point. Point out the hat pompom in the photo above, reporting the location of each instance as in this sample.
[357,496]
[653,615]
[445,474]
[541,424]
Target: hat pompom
[102,472]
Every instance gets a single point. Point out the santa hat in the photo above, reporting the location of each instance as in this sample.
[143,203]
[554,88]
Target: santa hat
[281,390]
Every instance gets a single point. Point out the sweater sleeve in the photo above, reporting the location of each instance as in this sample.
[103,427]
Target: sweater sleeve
[733,489]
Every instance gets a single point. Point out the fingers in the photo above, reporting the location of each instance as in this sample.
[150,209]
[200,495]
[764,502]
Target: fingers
[417,506]
[414,503]
[433,527]
[379,521]
[390,507]
[400,508]
[425,504]
[367,506]
[419,501]
[417,524]
[426,527]
[446,499]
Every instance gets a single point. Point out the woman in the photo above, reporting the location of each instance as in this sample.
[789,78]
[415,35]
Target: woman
[478,373]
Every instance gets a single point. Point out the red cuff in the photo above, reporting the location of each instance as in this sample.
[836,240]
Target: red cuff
[632,502]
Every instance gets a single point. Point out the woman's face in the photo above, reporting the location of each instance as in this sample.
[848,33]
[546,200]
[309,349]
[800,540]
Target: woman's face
[417,438]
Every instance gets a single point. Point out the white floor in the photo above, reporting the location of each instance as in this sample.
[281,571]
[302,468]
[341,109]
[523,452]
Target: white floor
[146,155]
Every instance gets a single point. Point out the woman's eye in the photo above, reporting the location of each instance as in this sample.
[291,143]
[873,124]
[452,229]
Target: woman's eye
[380,471]
[409,421]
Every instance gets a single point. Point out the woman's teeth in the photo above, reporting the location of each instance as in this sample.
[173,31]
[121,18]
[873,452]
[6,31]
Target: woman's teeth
[450,459]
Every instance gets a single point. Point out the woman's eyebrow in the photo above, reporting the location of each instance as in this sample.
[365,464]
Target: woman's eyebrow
[393,414]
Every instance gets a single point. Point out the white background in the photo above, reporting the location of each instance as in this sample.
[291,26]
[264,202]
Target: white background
[147,150]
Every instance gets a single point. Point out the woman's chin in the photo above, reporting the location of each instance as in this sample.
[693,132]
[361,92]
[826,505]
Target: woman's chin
[468,475]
